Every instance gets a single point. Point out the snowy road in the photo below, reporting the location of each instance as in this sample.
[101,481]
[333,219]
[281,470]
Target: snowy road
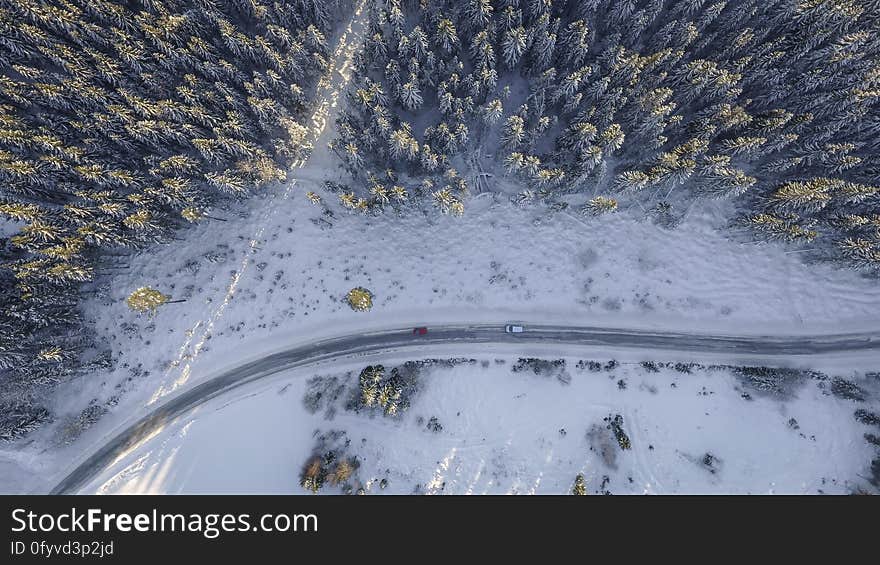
[403,338]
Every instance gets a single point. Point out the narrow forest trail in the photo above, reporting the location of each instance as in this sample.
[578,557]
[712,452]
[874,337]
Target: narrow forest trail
[321,124]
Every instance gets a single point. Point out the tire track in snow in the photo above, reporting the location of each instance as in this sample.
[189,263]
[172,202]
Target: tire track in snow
[330,85]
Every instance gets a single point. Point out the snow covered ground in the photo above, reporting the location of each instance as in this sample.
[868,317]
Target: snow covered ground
[276,271]
[515,432]
[274,277]
[246,296]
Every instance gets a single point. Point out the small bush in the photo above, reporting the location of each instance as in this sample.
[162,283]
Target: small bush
[772,381]
[615,424]
[434,425]
[593,366]
[17,420]
[360,299]
[329,464]
[710,463]
[391,393]
[313,475]
[322,393]
[868,418]
[847,390]
[580,486]
[544,367]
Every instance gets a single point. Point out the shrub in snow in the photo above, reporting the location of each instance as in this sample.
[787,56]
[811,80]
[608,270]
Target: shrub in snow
[74,427]
[710,463]
[322,392]
[866,417]
[684,367]
[580,486]
[360,299]
[329,464]
[313,475]
[146,299]
[600,205]
[593,366]
[17,420]
[390,394]
[341,471]
[615,424]
[843,388]
[544,367]
[434,425]
[773,381]
[369,380]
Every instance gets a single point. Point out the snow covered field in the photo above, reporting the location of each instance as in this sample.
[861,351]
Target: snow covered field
[516,432]
[274,277]
[246,296]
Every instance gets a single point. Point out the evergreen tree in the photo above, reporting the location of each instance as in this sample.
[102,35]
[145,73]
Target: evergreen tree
[121,122]
[775,105]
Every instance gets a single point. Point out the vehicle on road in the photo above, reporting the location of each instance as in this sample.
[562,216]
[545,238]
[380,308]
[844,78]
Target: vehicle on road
[513,329]
[420,331]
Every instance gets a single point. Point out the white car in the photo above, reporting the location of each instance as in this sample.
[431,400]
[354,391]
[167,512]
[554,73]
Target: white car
[513,329]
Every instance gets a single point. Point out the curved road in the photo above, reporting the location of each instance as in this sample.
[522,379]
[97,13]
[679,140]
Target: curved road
[450,334]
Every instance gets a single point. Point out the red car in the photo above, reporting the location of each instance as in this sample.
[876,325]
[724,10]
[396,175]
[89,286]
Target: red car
[420,331]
